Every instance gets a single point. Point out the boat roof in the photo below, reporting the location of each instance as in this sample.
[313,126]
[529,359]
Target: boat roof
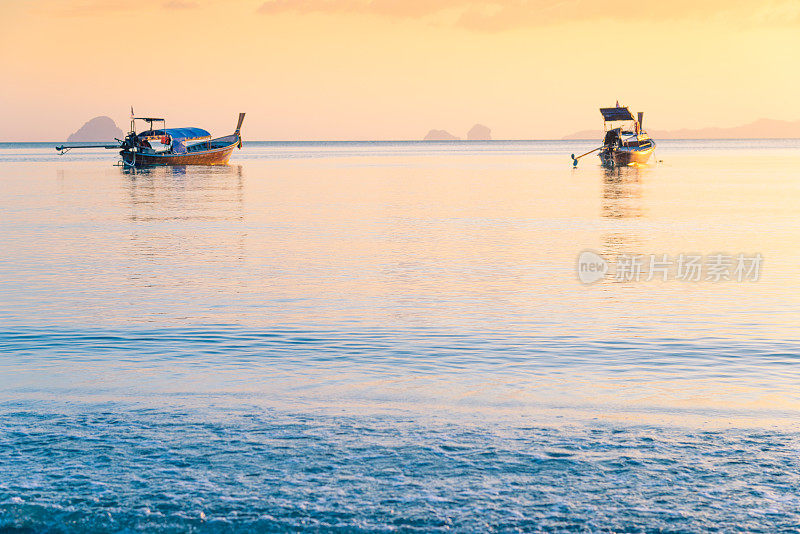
[179,134]
[616,114]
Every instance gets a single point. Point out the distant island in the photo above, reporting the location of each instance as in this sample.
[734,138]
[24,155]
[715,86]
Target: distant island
[440,135]
[98,129]
[760,129]
[479,132]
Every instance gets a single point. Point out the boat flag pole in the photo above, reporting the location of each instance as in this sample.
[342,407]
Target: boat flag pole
[575,160]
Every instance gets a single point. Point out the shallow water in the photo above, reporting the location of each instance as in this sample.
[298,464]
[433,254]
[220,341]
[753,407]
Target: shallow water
[393,336]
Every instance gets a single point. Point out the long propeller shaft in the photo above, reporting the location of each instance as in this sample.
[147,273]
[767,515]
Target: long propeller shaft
[575,159]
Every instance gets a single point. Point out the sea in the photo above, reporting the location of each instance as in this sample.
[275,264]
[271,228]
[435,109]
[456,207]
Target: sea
[401,337]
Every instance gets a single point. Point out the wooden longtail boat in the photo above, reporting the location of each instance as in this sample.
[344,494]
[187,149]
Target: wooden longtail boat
[625,141]
[171,146]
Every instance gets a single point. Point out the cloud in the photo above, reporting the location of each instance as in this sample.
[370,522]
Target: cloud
[391,8]
[179,4]
[102,7]
[496,15]
[93,7]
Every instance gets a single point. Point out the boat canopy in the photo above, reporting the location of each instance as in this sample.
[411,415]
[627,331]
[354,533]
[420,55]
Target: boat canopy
[616,114]
[179,134]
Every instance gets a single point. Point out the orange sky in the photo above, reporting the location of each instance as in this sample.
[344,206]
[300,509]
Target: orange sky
[393,69]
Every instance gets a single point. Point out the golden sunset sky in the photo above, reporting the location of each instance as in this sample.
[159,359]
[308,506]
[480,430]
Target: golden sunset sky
[393,69]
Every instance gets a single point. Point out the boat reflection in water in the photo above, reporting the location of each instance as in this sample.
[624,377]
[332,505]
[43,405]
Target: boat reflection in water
[622,193]
[181,192]
[621,204]
[183,219]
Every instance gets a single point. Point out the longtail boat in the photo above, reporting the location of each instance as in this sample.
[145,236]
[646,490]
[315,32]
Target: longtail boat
[625,142]
[159,145]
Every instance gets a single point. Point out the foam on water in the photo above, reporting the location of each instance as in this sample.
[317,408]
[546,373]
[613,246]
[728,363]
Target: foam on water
[107,468]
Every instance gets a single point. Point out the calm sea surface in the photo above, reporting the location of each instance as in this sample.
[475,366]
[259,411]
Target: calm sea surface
[357,337]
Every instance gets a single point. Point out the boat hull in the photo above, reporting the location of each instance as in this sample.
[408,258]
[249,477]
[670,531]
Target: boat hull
[622,156]
[216,156]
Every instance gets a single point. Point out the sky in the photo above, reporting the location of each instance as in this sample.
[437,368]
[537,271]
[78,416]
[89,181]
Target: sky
[394,69]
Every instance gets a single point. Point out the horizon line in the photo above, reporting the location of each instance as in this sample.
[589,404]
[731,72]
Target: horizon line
[441,141]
